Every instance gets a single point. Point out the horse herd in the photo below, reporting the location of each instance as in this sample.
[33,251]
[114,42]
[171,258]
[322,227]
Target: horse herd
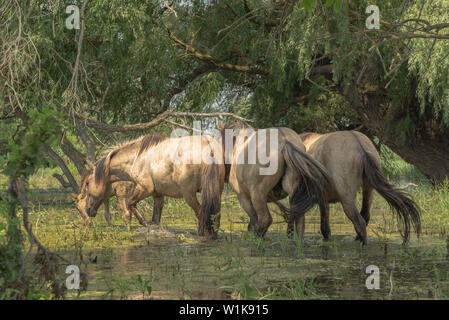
[312,169]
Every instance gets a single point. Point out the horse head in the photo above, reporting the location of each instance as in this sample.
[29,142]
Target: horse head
[93,188]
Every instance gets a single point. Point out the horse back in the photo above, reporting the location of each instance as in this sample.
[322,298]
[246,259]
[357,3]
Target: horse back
[342,154]
[174,166]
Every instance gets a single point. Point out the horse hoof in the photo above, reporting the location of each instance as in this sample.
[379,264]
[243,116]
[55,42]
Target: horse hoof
[261,232]
[210,236]
[253,227]
[362,240]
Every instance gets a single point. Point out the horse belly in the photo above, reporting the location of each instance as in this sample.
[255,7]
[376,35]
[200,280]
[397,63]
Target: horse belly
[181,179]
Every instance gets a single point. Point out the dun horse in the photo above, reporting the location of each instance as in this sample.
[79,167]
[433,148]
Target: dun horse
[296,174]
[177,167]
[352,162]
[123,191]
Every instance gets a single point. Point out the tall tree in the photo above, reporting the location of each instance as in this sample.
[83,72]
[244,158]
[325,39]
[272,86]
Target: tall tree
[298,58]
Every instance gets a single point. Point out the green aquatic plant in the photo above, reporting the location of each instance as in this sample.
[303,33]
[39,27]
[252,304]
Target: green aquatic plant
[115,283]
[143,284]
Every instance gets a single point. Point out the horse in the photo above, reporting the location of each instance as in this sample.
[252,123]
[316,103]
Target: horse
[294,174]
[353,162]
[161,166]
[122,190]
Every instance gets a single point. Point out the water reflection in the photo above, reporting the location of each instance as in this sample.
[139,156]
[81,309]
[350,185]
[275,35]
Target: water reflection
[191,268]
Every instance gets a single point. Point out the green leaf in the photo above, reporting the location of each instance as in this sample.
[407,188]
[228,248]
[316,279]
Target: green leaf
[337,5]
[149,289]
[329,3]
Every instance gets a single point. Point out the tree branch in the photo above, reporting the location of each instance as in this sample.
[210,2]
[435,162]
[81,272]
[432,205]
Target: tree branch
[61,180]
[217,62]
[158,120]
[48,258]
[55,157]
[90,146]
[80,46]
[78,159]
[182,84]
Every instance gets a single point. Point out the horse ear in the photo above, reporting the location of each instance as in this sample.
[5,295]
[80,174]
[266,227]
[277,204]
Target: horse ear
[107,163]
[220,125]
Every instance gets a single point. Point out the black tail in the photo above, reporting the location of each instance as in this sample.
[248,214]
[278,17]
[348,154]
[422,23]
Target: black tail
[313,185]
[405,209]
[212,182]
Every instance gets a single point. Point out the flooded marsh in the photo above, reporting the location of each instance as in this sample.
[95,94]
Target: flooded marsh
[171,262]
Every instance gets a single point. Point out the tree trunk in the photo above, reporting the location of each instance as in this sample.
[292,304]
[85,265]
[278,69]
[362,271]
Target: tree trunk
[82,133]
[78,159]
[430,156]
[427,147]
[53,155]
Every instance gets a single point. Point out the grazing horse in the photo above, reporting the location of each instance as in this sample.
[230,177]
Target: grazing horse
[122,190]
[294,173]
[353,162]
[175,167]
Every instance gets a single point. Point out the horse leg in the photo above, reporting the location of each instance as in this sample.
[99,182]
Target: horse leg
[289,181]
[246,204]
[157,210]
[107,214]
[300,224]
[137,214]
[126,214]
[367,199]
[357,220]
[192,201]
[367,193]
[325,225]
[264,218]
[133,196]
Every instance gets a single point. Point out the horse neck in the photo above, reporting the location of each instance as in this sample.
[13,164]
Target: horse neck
[121,165]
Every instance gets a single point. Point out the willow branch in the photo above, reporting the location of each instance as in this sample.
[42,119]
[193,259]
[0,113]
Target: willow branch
[78,159]
[217,62]
[158,120]
[80,46]
[170,8]
[20,191]
[82,133]
[182,83]
[62,181]
[55,157]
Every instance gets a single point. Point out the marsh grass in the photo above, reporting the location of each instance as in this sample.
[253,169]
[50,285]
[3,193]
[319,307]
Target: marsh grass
[240,265]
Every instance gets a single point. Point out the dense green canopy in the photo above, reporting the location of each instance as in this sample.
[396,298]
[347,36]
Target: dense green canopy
[309,65]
